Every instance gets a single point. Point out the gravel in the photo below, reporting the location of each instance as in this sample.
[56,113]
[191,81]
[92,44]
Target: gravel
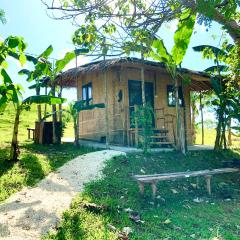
[32,212]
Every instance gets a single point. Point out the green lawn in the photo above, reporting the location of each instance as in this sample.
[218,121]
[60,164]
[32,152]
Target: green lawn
[36,161]
[209,138]
[174,215]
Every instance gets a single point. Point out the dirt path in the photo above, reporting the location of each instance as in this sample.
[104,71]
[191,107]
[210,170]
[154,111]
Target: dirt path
[32,212]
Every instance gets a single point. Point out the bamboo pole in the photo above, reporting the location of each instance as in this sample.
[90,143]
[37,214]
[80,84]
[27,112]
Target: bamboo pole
[106,105]
[202,120]
[76,123]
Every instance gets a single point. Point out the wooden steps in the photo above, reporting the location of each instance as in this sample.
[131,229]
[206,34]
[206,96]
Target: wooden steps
[161,143]
[160,138]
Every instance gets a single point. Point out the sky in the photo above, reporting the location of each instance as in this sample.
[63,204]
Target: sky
[28,18]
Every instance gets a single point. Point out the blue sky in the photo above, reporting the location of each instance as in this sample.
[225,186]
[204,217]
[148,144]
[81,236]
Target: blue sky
[28,18]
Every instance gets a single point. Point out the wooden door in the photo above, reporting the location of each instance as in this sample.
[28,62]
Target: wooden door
[135,96]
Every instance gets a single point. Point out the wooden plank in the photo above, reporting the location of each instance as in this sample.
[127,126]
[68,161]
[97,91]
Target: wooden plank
[158,136]
[161,174]
[171,176]
[162,143]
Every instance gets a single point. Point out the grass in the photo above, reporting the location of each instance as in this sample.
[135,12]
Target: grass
[210,135]
[172,215]
[36,161]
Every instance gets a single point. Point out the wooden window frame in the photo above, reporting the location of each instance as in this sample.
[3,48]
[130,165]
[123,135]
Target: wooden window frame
[87,88]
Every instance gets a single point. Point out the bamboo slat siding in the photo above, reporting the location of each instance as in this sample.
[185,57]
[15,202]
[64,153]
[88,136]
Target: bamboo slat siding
[92,123]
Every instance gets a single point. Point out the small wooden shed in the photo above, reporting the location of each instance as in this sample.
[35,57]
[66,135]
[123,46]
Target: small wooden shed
[117,83]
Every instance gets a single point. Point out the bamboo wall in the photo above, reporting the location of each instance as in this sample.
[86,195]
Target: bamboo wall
[92,122]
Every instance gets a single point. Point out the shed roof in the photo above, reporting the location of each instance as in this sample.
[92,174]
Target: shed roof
[200,81]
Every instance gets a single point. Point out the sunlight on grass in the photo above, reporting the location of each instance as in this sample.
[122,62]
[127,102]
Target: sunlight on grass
[210,135]
[172,216]
[36,161]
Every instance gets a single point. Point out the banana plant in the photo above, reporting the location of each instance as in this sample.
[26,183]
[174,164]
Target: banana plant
[74,109]
[227,99]
[172,61]
[43,68]
[15,97]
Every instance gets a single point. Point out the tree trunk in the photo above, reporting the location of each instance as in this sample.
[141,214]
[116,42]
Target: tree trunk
[218,140]
[180,141]
[54,119]
[39,106]
[60,105]
[229,133]
[45,105]
[75,131]
[14,152]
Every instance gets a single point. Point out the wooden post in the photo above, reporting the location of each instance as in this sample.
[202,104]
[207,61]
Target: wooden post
[141,187]
[208,184]
[154,189]
[106,106]
[76,123]
[136,126]
[197,182]
[201,110]
[180,140]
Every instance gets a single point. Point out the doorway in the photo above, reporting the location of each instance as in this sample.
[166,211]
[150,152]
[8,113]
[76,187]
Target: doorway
[135,96]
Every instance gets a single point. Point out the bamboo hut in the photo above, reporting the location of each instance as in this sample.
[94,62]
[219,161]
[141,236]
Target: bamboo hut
[124,91]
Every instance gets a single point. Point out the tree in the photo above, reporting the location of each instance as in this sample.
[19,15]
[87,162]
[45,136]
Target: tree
[12,46]
[226,100]
[182,38]
[49,71]
[148,15]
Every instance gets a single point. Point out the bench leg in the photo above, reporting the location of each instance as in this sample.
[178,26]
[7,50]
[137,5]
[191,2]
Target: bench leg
[197,182]
[208,183]
[141,187]
[154,190]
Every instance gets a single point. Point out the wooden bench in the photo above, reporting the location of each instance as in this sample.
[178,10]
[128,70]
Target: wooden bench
[29,133]
[155,178]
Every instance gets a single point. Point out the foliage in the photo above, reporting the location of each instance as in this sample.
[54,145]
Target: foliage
[2,16]
[159,52]
[227,99]
[172,215]
[143,116]
[10,92]
[35,161]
